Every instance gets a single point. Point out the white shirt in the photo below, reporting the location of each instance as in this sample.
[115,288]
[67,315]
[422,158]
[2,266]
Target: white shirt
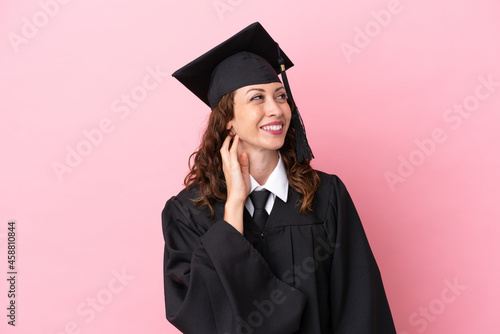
[277,184]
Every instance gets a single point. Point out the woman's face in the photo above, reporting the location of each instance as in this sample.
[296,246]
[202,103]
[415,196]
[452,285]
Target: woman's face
[261,117]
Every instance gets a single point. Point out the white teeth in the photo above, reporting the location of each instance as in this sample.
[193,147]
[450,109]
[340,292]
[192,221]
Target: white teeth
[273,127]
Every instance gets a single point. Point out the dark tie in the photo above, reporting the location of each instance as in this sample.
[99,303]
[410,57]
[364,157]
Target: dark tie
[259,199]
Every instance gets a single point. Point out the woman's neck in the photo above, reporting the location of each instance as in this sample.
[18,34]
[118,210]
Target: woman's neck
[262,164]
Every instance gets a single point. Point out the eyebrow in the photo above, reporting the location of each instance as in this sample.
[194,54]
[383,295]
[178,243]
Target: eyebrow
[263,90]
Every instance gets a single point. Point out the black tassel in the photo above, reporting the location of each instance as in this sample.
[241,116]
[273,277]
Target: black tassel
[302,147]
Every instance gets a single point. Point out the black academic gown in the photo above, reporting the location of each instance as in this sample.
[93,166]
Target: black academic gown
[307,274]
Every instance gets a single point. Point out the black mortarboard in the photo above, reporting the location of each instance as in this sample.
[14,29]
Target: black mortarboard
[249,57]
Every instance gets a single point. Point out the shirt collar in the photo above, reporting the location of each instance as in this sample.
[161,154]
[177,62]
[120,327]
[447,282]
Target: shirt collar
[277,183]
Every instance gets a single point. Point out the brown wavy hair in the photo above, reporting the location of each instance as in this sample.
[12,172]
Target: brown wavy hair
[205,164]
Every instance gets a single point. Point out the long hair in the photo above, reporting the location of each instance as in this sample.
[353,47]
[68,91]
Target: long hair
[205,164]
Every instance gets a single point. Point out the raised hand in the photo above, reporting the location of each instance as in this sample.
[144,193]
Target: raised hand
[237,174]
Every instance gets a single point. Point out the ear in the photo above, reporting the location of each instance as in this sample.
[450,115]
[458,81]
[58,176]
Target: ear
[229,126]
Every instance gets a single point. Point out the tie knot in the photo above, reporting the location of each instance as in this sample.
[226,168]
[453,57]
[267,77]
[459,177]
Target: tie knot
[259,198]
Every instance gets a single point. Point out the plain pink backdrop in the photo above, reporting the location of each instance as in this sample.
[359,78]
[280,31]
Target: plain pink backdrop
[379,84]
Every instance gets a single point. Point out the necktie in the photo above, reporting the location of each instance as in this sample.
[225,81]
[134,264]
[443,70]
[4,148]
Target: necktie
[259,199]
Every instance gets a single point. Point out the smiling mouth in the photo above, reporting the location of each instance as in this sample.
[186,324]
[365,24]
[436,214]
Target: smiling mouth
[276,127]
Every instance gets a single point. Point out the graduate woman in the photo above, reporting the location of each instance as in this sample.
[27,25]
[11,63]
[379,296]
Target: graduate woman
[258,241]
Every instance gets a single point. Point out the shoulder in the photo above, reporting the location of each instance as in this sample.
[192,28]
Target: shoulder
[326,176]
[330,182]
[331,192]
[183,209]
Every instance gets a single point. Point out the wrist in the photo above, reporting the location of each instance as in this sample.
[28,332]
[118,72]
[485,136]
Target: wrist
[233,214]
[236,204]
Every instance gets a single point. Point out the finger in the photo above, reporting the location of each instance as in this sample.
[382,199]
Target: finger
[225,144]
[234,149]
[224,150]
[245,164]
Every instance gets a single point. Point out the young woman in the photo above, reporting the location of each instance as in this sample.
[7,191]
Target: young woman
[258,241]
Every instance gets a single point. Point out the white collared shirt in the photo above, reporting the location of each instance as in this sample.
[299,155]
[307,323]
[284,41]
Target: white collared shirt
[277,184]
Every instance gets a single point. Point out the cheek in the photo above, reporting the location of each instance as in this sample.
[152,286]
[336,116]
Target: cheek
[288,114]
[239,114]
[239,125]
[246,120]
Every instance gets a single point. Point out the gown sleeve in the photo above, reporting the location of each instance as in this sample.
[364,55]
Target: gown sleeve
[216,282]
[359,303]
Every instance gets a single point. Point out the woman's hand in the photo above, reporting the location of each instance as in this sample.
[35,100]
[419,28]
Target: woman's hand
[237,174]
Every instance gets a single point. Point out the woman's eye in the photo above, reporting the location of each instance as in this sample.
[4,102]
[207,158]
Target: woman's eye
[256,97]
[282,96]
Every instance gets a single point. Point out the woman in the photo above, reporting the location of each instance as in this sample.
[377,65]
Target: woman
[258,241]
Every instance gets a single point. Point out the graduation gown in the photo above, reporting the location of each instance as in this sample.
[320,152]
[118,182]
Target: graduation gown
[307,274]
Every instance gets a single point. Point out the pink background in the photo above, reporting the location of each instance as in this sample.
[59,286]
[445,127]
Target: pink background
[376,82]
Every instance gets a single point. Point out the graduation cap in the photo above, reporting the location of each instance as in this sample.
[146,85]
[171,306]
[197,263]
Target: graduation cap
[250,57]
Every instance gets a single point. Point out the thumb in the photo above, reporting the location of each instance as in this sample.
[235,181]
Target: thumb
[245,164]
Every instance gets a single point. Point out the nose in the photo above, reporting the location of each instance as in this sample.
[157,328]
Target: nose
[273,108]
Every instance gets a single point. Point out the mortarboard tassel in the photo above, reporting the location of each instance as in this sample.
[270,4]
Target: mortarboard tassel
[302,148]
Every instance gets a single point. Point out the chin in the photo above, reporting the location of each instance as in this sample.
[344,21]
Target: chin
[276,146]
[271,145]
